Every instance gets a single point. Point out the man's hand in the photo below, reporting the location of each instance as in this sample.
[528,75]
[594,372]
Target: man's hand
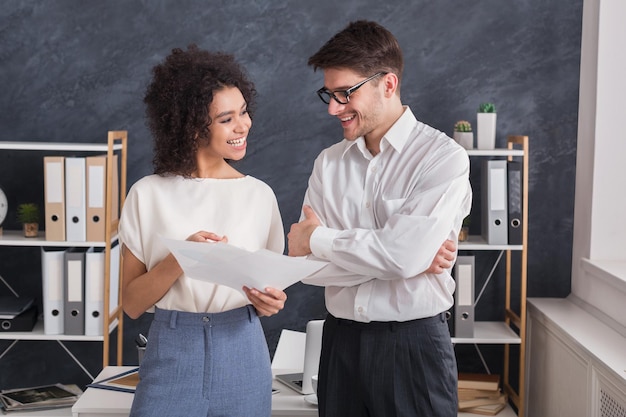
[444,259]
[300,233]
[266,303]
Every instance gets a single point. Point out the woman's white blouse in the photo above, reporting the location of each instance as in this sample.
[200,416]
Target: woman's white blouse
[244,209]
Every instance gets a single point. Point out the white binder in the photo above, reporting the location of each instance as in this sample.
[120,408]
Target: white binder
[52,273]
[75,199]
[464,297]
[94,288]
[494,202]
[114,279]
[54,197]
[94,291]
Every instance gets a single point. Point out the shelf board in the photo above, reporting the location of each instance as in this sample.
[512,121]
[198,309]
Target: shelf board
[477,242]
[38,334]
[58,146]
[495,152]
[16,238]
[490,332]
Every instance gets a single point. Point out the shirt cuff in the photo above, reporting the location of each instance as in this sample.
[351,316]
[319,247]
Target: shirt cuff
[321,242]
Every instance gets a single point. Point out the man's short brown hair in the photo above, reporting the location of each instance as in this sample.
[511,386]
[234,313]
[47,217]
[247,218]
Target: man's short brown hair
[364,47]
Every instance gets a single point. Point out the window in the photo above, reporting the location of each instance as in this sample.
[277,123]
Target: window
[599,249]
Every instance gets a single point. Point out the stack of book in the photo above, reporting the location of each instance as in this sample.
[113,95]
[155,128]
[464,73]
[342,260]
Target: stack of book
[39,398]
[480,394]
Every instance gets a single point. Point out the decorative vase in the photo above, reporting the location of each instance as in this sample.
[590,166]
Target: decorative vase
[31,229]
[486,130]
[465,139]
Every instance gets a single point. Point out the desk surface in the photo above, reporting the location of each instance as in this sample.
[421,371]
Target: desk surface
[104,403]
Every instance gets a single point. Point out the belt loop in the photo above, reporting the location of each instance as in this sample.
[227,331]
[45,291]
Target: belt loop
[173,315]
[251,313]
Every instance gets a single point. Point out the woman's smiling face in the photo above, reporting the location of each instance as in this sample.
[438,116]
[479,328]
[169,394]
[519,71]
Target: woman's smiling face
[230,125]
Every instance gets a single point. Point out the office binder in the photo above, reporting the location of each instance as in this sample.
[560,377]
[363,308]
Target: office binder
[23,322]
[94,287]
[115,190]
[514,186]
[114,279]
[54,197]
[96,169]
[75,213]
[94,291]
[464,297]
[11,306]
[494,202]
[74,291]
[52,273]
[96,197]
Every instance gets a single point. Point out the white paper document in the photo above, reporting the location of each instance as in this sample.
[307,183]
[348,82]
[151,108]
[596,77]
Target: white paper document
[225,264]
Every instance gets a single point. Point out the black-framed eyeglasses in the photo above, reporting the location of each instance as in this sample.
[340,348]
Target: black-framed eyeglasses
[343,96]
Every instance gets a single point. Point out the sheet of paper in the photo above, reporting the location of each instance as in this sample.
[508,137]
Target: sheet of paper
[226,264]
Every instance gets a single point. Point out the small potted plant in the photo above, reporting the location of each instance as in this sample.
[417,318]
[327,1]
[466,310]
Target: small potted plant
[463,134]
[28,215]
[486,126]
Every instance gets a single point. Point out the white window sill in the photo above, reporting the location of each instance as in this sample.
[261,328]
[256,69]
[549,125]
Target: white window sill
[612,272]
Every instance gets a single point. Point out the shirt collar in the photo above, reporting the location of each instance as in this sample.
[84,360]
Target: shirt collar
[401,130]
[396,136]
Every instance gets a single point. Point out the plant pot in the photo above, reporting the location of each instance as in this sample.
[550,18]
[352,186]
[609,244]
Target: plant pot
[486,130]
[31,229]
[463,234]
[465,139]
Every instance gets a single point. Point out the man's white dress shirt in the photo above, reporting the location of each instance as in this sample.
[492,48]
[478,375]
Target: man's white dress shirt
[384,218]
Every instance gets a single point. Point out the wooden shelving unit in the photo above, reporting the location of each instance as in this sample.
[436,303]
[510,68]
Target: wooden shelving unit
[511,331]
[116,144]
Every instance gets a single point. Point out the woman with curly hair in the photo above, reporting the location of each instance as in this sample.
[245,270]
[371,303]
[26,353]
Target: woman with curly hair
[207,354]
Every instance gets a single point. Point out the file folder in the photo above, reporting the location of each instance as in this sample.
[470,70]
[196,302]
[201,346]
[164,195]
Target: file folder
[94,287]
[75,213]
[96,197]
[11,306]
[514,186]
[94,291]
[464,297]
[54,197]
[115,190]
[494,202]
[52,273]
[114,279]
[74,291]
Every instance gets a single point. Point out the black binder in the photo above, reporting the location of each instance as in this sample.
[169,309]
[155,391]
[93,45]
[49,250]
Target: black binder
[23,322]
[11,307]
[514,174]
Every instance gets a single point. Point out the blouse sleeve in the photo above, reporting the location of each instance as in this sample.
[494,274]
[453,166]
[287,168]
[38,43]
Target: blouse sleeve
[129,226]
[276,237]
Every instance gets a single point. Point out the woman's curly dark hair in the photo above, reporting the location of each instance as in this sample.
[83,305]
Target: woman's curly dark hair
[177,104]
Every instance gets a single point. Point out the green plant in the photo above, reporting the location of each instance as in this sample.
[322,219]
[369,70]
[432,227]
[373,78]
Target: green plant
[462,126]
[487,108]
[467,221]
[28,213]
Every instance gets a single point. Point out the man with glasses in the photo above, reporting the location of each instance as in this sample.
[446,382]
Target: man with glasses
[378,206]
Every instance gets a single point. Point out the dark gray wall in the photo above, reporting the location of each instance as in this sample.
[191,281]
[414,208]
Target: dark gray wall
[71,71]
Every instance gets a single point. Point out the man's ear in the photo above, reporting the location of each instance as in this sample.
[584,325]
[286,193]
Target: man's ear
[390,81]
